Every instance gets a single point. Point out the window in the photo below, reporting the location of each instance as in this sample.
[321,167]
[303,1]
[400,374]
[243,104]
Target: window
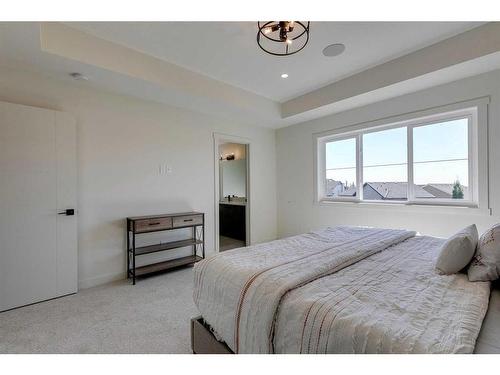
[417,161]
[385,166]
[340,162]
[441,159]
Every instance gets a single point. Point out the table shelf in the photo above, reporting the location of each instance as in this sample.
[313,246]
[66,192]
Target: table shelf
[166,246]
[166,265]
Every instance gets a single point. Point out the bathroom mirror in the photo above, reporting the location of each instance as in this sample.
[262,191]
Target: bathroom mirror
[233,177]
[232,171]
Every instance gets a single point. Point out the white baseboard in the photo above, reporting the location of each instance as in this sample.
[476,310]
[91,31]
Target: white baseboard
[99,280]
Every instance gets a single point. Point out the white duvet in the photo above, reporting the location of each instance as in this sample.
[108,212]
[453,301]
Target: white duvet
[341,290]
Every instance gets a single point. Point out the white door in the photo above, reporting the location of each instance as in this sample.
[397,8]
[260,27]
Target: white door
[38,246]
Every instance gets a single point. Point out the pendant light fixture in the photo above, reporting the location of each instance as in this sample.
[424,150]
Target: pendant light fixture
[282,38]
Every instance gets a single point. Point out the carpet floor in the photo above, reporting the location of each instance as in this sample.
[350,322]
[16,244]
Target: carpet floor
[151,317]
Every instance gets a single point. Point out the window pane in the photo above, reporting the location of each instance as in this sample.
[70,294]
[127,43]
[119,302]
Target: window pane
[385,165]
[340,168]
[441,165]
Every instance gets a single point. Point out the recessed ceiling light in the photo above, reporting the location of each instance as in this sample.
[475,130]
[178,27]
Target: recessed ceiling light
[78,76]
[333,50]
[284,75]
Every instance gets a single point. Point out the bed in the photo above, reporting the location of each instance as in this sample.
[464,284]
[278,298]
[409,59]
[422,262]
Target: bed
[338,290]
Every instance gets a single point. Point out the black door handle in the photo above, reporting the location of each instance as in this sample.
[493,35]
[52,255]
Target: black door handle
[67,212]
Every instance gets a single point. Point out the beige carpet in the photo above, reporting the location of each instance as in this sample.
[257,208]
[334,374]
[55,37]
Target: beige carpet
[150,317]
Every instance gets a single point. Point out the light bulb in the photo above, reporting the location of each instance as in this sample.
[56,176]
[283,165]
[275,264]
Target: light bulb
[267,30]
[288,41]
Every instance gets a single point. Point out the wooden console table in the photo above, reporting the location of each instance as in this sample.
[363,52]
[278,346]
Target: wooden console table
[168,222]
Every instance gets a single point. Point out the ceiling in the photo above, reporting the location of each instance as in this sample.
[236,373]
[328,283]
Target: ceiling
[227,51]
[217,68]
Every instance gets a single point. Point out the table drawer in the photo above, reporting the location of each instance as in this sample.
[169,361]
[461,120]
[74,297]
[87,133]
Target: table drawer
[182,221]
[148,225]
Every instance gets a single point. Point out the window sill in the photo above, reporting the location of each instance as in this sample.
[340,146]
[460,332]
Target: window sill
[408,207]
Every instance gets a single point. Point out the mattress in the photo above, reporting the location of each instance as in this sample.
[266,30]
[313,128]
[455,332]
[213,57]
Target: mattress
[341,290]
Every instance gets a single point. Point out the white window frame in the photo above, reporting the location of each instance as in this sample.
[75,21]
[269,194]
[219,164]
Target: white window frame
[322,163]
[476,113]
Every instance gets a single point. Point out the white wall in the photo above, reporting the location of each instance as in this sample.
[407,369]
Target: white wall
[295,171]
[121,142]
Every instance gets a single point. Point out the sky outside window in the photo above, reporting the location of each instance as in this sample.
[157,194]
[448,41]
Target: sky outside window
[385,156]
[440,153]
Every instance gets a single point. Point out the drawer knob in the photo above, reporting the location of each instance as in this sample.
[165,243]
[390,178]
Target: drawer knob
[154,223]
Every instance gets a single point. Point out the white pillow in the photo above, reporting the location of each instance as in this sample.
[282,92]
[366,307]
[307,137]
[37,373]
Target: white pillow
[486,263]
[457,251]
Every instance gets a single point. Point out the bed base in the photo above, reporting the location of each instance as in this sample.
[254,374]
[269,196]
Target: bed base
[203,341]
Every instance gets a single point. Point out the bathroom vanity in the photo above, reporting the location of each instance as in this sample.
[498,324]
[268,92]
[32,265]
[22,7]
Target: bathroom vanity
[232,216]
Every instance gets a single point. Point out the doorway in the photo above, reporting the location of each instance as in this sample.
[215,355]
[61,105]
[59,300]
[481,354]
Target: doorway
[232,203]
